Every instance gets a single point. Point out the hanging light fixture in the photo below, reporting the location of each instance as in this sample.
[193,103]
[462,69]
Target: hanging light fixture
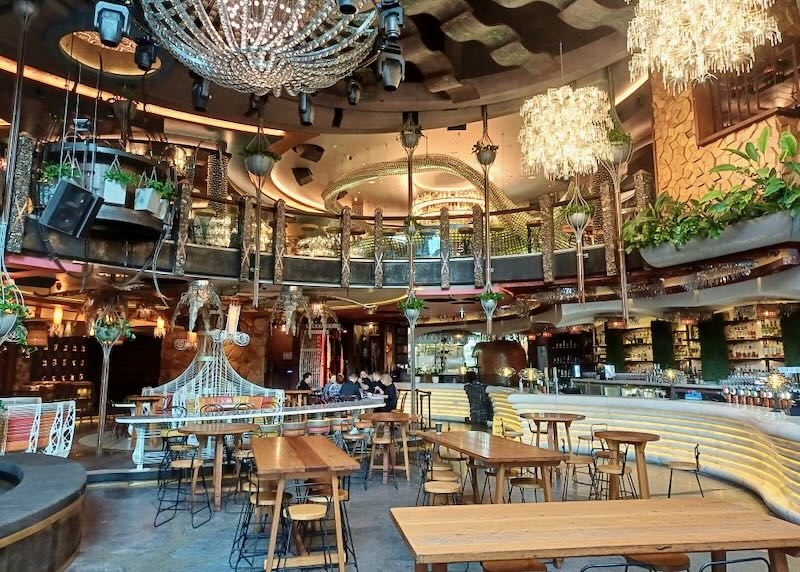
[268,46]
[161,328]
[56,329]
[578,214]
[688,41]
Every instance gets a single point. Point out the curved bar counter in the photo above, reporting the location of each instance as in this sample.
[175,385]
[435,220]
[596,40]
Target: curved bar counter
[751,446]
[40,514]
[448,400]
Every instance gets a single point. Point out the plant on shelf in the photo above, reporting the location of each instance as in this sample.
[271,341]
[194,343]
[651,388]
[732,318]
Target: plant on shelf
[53,172]
[154,196]
[119,176]
[13,314]
[165,189]
[115,185]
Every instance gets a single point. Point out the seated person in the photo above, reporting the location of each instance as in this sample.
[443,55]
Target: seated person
[388,388]
[304,382]
[331,389]
[350,388]
[369,384]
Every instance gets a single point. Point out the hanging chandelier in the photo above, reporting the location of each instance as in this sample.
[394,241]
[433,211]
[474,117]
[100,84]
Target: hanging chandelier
[565,132]
[267,45]
[692,40]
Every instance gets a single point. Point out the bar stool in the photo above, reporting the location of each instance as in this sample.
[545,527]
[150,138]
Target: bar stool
[660,562]
[572,463]
[183,481]
[686,468]
[321,494]
[380,446]
[617,467]
[304,515]
[338,427]
[525,484]
[293,428]
[590,439]
[318,427]
[432,489]
[250,538]
[522,565]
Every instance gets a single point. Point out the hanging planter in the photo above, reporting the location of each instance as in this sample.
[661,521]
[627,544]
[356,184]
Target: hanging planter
[108,330]
[489,299]
[13,313]
[51,174]
[154,197]
[412,307]
[578,215]
[620,143]
[259,158]
[115,184]
[410,134]
[486,153]
[411,226]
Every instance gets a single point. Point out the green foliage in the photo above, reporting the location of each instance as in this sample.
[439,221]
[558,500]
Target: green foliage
[412,303]
[578,208]
[104,325]
[414,129]
[617,134]
[489,295]
[259,149]
[766,189]
[10,305]
[164,188]
[478,147]
[54,172]
[118,176]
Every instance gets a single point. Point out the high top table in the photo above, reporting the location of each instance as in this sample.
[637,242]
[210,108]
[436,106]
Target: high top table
[283,458]
[402,420]
[494,451]
[552,420]
[472,533]
[639,441]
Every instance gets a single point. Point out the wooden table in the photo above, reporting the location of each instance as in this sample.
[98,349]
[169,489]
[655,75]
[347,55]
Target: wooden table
[494,451]
[218,431]
[552,420]
[285,458]
[468,533]
[639,442]
[297,397]
[401,420]
[138,402]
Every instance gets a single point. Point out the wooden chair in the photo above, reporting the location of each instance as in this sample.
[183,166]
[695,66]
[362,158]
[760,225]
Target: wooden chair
[433,489]
[510,433]
[293,428]
[617,466]
[521,565]
[686,467]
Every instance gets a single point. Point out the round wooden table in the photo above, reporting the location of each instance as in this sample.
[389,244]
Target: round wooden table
[552,420]
[138,402]
[218,431]
[639,440]
[392,418]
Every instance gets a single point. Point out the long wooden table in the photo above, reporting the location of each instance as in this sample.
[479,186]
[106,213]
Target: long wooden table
[285,458]
[494,451]
[468,533]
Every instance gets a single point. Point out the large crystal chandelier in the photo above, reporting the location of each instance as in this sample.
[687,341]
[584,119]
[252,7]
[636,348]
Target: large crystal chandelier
[261,46]
[692,40]
[565,132]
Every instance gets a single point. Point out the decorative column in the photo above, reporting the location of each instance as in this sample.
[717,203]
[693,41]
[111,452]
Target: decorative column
[445,247]
[377,240]
[601,185]
[547,237]
[345,246]
[477,246]
[279,240]
[185,213]
[20,192]
[247,232]
[644,189]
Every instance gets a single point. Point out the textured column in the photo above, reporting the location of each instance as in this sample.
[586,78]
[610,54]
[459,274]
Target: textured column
[217,181]
[547,236]
[644,189]
[602,185]
[279,241]
[377,240]
[20,192]
[444,246]
[477,245]
[247,232]
[345,242]
[185,213]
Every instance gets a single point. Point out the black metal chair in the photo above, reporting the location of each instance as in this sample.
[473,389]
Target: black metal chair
[686,467]
[751,560]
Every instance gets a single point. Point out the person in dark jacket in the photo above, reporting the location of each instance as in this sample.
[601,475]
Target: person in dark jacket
[304,382]
[350,388]
[389,389]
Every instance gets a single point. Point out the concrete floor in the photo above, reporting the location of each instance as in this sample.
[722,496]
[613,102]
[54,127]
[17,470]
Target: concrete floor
[119,534]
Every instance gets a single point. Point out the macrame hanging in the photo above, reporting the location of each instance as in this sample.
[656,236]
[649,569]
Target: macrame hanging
[578,215]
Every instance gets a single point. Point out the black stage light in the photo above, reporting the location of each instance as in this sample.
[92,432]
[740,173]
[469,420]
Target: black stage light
[305,108]
[201,92]
[391,19]
[347,7]
[112,22]
[391,67]
[146,53]
[353,91]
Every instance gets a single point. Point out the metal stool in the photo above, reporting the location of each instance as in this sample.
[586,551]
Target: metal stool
[183,481]
[603,473]
[321,494]
[252,531]
[760,559]
[432,489]
[303,515]
[686,468]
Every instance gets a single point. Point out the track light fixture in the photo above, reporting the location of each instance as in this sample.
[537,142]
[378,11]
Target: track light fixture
[305,108]
[112,22]
[391,19]
[146,53]
[391,66]
[353,91]
[347,7]
[201,92]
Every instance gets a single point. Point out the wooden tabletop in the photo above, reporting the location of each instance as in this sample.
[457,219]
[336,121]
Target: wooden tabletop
[145,398]
[470,533]
[632,437]
[553,417]
[284,456]
[216,429]
[492,449]
[297,391]
[386,417]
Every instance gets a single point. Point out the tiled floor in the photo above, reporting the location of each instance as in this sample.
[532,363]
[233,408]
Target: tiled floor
[119,534]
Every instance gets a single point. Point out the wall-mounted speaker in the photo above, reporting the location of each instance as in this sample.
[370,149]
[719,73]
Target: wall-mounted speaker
[302,175]
[71,210]
[310,152]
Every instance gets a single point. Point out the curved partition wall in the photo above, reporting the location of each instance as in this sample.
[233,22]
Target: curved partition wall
[751,446]
[448,400]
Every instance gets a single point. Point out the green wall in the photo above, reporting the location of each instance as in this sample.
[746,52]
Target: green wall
[663,349]
[714,349]
[790,326]
[615,353]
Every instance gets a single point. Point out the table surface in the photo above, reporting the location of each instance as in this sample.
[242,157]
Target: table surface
[218,428]
[145,398]
[386,417]
[297,391]
[492,449]
[470,533]
[633,437]
[563,417]
[282,456]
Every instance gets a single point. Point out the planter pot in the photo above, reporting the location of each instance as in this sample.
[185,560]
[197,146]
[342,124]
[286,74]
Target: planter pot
[114,193]
[769,230]
[163,205]
[578,220]
[7,323]
[259,165]
[412,315]
[409,139]
[486,156]
[620,151]
[45,192]
[489,306]
[107,333]
[147,199]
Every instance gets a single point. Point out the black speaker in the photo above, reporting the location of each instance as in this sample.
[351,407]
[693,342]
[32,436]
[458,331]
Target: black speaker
[302,175]
[310,152]
[71,210]
[338,115]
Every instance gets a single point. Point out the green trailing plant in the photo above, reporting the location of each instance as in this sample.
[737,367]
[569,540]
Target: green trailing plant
[119,176]
[259,149]
[53,172]
[578,208]
[10,305]
[617,134]
[412,129]
[411,303]
[123,325]
[489,295]
[164,188]
[478,147]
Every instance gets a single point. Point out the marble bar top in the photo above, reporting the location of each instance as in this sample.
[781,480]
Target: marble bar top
[643,383]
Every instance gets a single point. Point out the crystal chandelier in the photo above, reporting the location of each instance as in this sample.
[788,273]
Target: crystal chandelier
[692,40]
[266,45]
[565,132]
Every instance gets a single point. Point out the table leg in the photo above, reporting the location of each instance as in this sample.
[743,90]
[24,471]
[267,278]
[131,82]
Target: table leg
[777,560]
[276,519]
[500,484]
[716,556]
[613,480]
[388,452]
[474,474]
[404,439]
[219,447]
[547,492]
[641,472]
[438,567]
[569,438]
[337,518]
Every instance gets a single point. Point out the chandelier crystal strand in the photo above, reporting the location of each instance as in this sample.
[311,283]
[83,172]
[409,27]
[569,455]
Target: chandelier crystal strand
[565,132]
[690,41]
[264,46]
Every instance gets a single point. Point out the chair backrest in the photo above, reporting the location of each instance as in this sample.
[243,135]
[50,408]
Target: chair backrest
[293,428]
[318,426]
[21,427]
[595,427]
[760,559]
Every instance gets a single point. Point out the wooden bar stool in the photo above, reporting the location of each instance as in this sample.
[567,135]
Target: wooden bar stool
[432,489]
[303,515]
[293,428]
[522,565]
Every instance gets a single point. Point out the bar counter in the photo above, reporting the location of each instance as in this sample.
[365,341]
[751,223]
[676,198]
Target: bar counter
[448,400]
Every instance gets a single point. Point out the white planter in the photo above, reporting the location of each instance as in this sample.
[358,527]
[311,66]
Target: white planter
[578,220]
[46,192]
[163,205]
[147,199]
[409,139]
[412,315]
[489,306]
[7,323]
[259,165]
[769,230]
[486,156]
[114,193]
[620,152]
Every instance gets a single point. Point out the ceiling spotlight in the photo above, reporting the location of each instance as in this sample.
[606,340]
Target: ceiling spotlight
[353,91]
[391,19]
[146,53]
[347,7]
[391,66]
[112,21]
[305,108]
[201,92]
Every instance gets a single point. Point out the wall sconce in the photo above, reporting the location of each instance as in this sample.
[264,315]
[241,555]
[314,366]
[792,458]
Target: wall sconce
[161,328]
[187,343]
[56,329]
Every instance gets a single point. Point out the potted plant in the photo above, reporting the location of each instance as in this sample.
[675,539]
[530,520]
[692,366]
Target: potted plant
[12,317]
[411,226]
[50,175]
[486,153]
[578,214]
[409,136]
[620,143]
[151,194]
[109,329]
[489,299]
[166,190]
[412,307]
[115,185]
[259,159]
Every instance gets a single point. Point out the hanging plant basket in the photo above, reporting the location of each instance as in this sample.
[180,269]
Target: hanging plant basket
[259,165]
[107,333]
[412,307]
[485,151]
[489,299]
[620,151]
[410,139]
[8,322]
